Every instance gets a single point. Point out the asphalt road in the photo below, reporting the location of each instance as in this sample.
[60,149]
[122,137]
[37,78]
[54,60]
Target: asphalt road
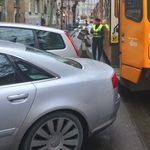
[131,130]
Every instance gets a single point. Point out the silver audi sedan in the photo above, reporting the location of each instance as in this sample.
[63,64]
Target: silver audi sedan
[52,103]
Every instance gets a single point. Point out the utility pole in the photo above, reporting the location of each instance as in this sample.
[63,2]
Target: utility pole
[17,11]
[61,15]
[68,11]
[74,11]
[51,12]
[3,19]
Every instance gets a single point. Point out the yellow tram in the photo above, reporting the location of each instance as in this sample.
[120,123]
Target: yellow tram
[83,17]
[91,18]
[127,39]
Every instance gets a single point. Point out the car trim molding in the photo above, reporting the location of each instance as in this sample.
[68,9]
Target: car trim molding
[7,132]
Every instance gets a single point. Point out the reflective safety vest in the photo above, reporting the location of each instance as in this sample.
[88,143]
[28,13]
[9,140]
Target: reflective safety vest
[98,29]
[107,27]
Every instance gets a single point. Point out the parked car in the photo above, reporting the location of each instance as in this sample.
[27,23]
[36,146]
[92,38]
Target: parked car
[51,102]
[82,22]
[78,19]
[48,39]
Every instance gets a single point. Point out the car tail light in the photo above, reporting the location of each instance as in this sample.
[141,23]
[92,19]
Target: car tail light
[72,44]
[114,81]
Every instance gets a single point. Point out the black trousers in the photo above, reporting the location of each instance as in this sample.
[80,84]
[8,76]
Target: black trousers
[97,42]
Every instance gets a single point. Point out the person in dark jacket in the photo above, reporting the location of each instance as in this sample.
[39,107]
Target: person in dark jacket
[98,32]
[42,21]
[86,23]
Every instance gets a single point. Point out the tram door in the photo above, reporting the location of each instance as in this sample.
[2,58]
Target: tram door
[131,39]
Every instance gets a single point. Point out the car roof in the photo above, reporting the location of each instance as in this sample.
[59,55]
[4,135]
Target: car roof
[49,64]
[6,45]
[30,26]
[19,50]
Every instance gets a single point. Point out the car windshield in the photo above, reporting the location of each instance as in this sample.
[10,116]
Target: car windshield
[57,57]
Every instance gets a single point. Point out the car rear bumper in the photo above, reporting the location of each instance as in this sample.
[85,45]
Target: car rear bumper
[110,121]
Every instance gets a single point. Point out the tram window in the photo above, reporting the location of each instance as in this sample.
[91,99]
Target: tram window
[134,9]
[106,8]
[148,9]
[116,8]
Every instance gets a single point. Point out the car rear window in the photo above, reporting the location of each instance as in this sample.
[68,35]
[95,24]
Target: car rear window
[57,57]
[49,40]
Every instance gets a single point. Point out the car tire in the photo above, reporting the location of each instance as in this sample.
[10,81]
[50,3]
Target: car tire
[57,131]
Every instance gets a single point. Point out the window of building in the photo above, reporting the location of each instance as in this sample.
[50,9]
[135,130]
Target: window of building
[8,74]
[134,9]
[45,10]
[37,6]
[14,2]
[19,35]
[106,9]
[50,40]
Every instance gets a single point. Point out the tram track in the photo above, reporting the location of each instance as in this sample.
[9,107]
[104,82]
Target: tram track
[138,105]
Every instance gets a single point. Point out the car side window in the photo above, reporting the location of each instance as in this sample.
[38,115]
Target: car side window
[30,72]
[20,35]
[8,74]
[49,40]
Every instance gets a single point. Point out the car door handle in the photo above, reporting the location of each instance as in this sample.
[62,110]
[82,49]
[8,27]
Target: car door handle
[17,97]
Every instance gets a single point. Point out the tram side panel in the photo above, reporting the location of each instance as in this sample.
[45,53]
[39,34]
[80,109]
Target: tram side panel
[132,51]
[134,45]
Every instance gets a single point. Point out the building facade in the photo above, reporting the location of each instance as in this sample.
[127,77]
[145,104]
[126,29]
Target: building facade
[36,9]
[28,11]
[86,7]
[9,9]
[32,11]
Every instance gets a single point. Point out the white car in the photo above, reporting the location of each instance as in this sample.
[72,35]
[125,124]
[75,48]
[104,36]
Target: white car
[82,22]
[45,38]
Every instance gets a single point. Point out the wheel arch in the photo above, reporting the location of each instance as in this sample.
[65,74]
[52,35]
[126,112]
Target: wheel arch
[77,114]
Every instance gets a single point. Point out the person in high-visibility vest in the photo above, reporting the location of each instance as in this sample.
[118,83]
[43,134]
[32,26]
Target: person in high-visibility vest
[98,32]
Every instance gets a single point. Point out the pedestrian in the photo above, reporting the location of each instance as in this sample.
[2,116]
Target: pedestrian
[43,21]
[86,23]
[98,32]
